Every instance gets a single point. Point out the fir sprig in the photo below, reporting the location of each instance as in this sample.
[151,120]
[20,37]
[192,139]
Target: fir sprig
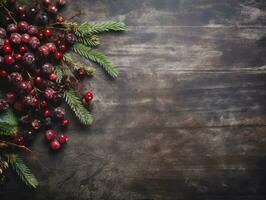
[97,57]
[22,170]
[87,28]
[7,129]
[76,105]
[91,40]
[59,73]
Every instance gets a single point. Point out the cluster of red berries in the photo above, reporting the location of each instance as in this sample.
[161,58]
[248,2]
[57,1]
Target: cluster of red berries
[30,52]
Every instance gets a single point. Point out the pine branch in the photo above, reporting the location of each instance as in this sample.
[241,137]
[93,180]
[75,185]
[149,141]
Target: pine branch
[7,129]
[76,105]
[87,28]
[22,170]
[97,57]
[60,73]
[68,58]
[91,40]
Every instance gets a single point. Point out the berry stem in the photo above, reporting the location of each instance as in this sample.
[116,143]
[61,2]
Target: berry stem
[16,145]
[9,14]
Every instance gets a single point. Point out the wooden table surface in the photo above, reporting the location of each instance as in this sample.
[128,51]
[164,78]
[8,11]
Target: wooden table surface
[186,118]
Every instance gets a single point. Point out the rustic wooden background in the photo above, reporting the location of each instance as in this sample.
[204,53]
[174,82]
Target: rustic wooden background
[186,118]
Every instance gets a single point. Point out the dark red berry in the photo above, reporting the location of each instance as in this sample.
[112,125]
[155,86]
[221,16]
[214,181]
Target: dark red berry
[20,140]
[52,9]
[25,38]
[18,57]
[55,145]
[7,49]
[48,32]
[47,2]
[58,55]
[50,134]
[53,77]
[59,112]
[6,42]
[9,59]
[60,3]
[44,104]
[71,38]
[65,122]
[21,8]
[10,97]
[62,138]
[23,49]
[49,93]
[15,77]
[47,68]
[3,73]
[62,47]
[47,113]
[88,96]
[29,59]
[38,80]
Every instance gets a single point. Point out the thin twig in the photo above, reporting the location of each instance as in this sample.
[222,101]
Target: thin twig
[16,145]
[9,14]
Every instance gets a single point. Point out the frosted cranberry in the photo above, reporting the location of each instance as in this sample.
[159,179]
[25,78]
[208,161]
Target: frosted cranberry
[23,26]
[21,8]
[15,77]
[51,47]
[71,38]
[12,28]
[29,59]
[49,93]
[2,33]
[34,42]
[32,30]
[15,38]
[44,51]
[47,68]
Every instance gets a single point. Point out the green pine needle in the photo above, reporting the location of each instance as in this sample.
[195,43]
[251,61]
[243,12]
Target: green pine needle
[97,57]
[59,73]
[22,170]
[7,129]
[91,40]
[68,58]
[76,105]
[87,28]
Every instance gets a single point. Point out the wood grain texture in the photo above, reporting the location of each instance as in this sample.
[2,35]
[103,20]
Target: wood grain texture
[186,118]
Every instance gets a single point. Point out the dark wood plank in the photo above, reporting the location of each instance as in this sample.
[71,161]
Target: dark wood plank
[186,118]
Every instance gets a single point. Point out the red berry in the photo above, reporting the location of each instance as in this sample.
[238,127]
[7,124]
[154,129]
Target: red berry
[38,80]
[9,59]
[21,8]
[20,140]
[65,122]
[48,32]
[3,73]
[62,47]
[10,97]
[32,30]
[50,135]
[25,38]
[23,26]
[62,138]
[51,47]
[49,93]
[61,3]
[22,49]
[35,102]
[43,50]
[53,77]
[6,42]
[47,2]
[81,73]
[7,49]
[44,103]
[55,145]
[15,38]
[88,96]
[58,55]
[47,113]
[18,56]
[52,9]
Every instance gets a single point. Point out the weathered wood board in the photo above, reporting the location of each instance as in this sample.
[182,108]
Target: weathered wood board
[185,120]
